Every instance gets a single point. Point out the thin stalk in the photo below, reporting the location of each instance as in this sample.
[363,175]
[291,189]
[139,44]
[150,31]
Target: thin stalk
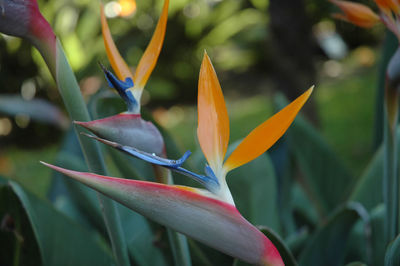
[177,241]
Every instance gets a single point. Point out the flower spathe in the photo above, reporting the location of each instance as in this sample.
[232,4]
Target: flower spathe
[189,211]
[130,130]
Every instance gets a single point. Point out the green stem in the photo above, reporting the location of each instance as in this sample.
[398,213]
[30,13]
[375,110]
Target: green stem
[76,107]
[18,244]
[390,171]
[177,241]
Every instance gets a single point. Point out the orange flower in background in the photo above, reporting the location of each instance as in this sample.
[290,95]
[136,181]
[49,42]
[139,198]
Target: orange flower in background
[356,13]
[362,16]
[388,5]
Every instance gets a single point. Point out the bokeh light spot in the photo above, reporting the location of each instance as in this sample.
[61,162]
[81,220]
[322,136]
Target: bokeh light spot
[22,120]
[28,90]
[5,126]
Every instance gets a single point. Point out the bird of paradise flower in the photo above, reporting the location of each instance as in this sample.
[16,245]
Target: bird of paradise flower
[208,216]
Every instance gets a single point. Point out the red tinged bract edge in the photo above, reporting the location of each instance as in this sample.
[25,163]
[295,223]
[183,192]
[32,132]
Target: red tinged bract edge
[205,219]
[128,130]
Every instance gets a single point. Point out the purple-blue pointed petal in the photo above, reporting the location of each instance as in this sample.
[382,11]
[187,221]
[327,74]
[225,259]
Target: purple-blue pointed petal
[122,88]
[209,181]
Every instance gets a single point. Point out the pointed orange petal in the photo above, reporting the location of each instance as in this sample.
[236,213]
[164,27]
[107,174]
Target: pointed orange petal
[266,134]
[357,14]
[121,69]
[213,120]
[150,56]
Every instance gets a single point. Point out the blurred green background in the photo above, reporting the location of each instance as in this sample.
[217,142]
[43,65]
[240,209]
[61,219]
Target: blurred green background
[258,47]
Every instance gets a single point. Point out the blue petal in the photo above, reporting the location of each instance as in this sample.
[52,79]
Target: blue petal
[209,172]
[122,88]
[209,181]
[154,159]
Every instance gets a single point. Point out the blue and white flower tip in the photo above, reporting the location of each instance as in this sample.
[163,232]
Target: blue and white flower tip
[209,181]
[123,88]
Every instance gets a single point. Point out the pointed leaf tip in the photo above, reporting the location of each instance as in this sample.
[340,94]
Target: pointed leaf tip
[119,65]
[213,120]
[150,56]
[266,134]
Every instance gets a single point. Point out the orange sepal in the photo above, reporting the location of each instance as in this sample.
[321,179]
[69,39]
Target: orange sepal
[388,5]
[356,13]
[118,64]
[150,56]
[266,134]
[213,120]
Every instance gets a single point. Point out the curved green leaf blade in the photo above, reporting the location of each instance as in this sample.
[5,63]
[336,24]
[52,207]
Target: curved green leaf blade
[254,188]
[140,239]
[392,256]
[366,242]
[371,180]
[17,240]
[36,109]
[325,175]
[61,242]
[285,252]
[327,246]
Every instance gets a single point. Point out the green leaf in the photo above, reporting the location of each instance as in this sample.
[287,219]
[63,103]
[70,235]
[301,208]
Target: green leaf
[377,235]
[60,240]
[17,240]
[366,241]
[325,176]
[179,247]
[75,200]
[82,198]
[328,244]
[389,48]
[285,252]
[36,109]
[296,241]
[370,181]
[392,256]
[254,189]
[140,239]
